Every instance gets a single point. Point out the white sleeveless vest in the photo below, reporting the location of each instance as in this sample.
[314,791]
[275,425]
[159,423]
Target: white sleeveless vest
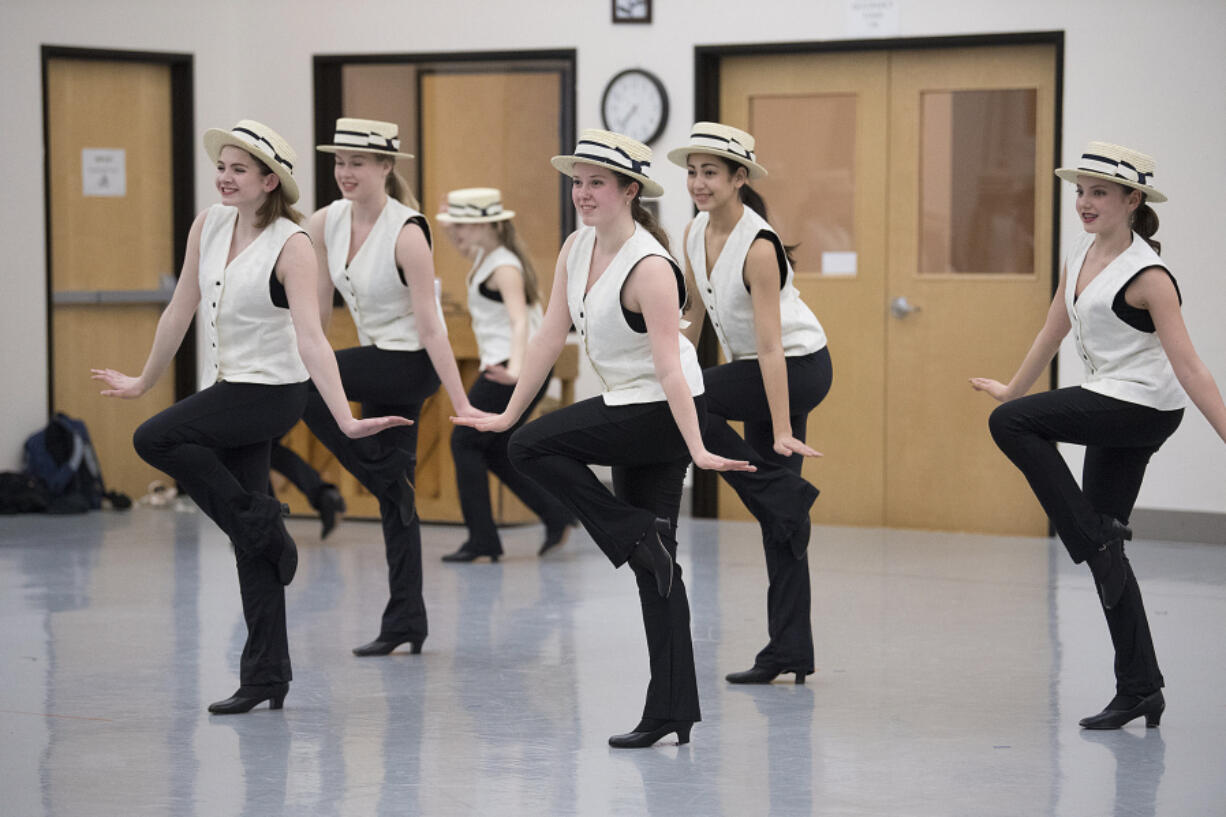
[379,301]
[728,302]
[620,356]
[1120,361]
[491,321]
[247,338]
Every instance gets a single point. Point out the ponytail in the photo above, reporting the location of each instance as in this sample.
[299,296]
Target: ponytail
[1145,224]
[276,204]
[650,223]
[753,200]
[509,238]
[398,188]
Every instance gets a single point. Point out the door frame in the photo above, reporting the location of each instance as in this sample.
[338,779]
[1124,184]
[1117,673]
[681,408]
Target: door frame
[329,92]
[183,183]
[706,108]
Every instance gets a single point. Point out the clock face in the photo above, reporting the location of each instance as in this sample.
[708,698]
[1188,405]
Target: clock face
[635,104]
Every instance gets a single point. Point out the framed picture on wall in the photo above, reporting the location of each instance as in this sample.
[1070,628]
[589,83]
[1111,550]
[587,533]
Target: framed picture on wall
[632,11]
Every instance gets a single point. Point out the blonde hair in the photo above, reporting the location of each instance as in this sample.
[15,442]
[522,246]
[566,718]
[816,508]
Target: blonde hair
[276,204]
[396,185]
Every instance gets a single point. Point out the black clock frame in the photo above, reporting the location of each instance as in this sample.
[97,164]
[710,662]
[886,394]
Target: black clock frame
[659,87]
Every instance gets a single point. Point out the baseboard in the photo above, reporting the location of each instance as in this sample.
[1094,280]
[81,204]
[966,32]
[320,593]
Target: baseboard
[1179,526]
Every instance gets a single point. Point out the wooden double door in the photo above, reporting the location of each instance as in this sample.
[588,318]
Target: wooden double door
[918,185]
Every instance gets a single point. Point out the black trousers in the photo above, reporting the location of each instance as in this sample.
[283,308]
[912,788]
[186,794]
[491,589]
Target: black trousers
[776,494]
[286,462]
[649,459]
[477,453]
[216,446]
[385,382]
[1119,437]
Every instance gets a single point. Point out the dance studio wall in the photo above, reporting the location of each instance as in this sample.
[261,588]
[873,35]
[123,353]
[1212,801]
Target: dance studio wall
[1131,74]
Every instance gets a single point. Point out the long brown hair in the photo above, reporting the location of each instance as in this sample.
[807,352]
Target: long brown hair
[1145,224]
[640,213]
[509,238]
[396,185]
[276,204]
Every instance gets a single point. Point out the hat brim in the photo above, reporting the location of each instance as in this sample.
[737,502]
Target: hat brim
[447,218]
[215,139]
[1070,174]
[353,149]
[680,156]
[566,166]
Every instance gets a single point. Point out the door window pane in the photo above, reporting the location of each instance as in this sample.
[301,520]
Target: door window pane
[977,166]
[807,143]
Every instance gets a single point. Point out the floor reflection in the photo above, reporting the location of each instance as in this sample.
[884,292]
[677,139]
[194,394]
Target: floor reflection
[951,672]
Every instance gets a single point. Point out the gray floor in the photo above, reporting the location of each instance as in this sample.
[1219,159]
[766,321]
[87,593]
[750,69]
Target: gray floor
[952,670]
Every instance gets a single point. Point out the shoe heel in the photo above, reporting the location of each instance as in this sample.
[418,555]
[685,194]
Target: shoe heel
[276,701]
[683,734]
[415,648]
[1153,719]
[800,679]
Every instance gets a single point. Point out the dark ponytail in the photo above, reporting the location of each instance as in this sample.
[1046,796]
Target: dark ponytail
[1145,224]
[753,200]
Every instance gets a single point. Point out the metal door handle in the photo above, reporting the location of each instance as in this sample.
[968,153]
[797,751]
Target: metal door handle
[900,307]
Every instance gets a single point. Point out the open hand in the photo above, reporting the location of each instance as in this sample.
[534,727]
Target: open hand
[484,421]
[714,462]
[118,384]
[355,429]
[993,387]
[787,445]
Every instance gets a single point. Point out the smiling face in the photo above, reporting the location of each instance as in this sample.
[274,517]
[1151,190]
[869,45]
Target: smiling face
[711,183]
[597,196]
[1103,206]
[360,175]
[242,179]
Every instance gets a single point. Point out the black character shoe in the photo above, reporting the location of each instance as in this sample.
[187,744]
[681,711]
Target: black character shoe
[404,496]
[468,553]
[649,731]
[378,647]
[1124,709]
[248,697]
[555,536]
[329,503]
[652,555]
[1107,565]
[761,675]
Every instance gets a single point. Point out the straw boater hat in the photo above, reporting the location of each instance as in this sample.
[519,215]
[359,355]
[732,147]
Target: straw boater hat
[474,205]
[366,136]
[1103,160]
[263,143]
[720,140]
[619,153]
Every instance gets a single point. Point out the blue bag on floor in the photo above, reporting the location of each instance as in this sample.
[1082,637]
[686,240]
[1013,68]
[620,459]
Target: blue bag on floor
[64,458]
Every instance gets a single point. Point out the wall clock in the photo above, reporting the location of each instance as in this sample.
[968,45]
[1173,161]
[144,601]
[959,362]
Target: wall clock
[635,104]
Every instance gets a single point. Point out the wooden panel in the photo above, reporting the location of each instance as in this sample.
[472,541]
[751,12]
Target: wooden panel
[494,130]
[943,470]
[847,426]
[109,243]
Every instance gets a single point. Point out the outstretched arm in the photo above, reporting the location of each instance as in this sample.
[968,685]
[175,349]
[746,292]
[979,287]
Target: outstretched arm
[695,311]
[509,283]
[315,229]
[539,357]
[651,289]
[1154,291]
[296,270]
[1044,348]
[172,326]
[762,277]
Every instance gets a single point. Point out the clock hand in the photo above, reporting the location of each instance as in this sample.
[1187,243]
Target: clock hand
[629,115]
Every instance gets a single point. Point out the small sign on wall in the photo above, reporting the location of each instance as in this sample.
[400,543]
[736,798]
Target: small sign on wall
[872,18]
[104,172]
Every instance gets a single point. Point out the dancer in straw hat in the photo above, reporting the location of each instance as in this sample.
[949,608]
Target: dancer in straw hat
[1122,304]
[777,371]
[375,245]
[505,306]
[251,269]
[616,282]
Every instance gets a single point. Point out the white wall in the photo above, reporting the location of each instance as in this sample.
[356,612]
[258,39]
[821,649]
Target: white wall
[1134,74]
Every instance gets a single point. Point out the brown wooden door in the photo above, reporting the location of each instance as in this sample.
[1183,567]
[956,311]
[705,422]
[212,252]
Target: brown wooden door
[485,128]
[111,244]
[917,185]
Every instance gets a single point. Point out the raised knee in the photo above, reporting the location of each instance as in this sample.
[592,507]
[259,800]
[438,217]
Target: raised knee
[147,441]
[1002,422]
